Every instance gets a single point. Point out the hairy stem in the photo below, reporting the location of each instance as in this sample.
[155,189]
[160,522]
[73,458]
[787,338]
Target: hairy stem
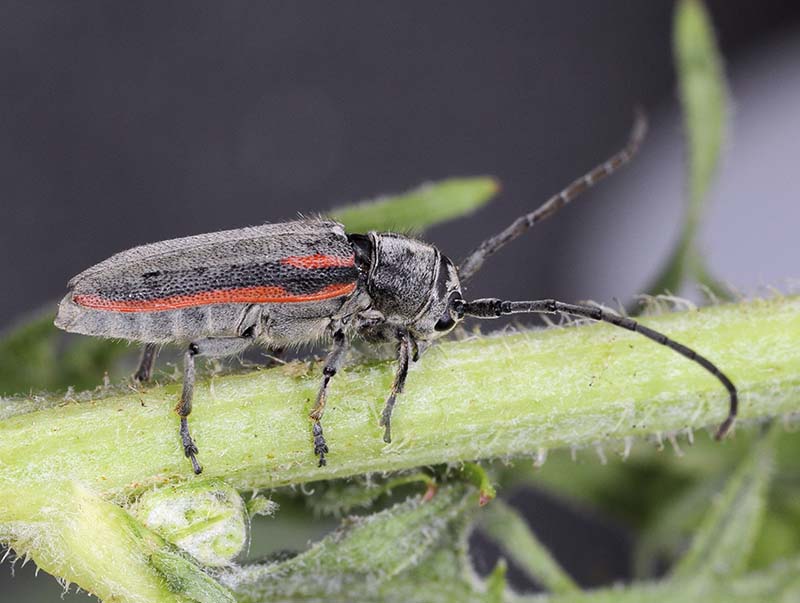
[486,397]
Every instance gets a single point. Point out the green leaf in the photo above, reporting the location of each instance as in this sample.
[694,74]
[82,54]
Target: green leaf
[362,556]
[504,525]
[184,578]
[726,535]
[419,208]
[703,95]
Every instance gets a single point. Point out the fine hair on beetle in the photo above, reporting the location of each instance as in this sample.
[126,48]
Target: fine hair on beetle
[292,283]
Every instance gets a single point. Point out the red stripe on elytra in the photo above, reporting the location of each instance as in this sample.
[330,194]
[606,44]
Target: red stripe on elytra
[249,295]
[319,260]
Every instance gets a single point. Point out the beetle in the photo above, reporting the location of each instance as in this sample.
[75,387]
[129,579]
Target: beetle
[306,280]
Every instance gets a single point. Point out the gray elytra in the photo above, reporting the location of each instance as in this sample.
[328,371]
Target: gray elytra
[307,280]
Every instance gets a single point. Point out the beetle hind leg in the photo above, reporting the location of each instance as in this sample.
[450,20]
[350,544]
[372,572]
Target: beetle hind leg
[206,347]
[184,407]
[148,359]
[332,363]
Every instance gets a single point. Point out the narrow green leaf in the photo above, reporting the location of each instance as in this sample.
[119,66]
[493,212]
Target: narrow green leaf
[726,535]
[504,525]
[703,95]
[419,208]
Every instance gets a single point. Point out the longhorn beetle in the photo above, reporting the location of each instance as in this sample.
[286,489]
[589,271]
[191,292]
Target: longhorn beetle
[301,281]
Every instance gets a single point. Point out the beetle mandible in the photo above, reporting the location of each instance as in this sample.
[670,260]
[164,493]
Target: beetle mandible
[303,281]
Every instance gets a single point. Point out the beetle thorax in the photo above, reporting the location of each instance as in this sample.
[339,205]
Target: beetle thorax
[409,282]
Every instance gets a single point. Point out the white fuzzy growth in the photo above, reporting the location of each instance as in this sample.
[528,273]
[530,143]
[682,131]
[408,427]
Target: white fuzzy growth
[208,520]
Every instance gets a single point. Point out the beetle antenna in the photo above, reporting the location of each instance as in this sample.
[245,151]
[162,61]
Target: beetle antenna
[474,260]
[494,308]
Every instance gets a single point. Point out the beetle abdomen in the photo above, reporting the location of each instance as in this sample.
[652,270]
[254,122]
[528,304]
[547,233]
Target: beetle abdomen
[184,324]
[200,286]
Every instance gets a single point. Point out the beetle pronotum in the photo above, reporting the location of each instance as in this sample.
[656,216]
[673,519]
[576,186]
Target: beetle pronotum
[301,281]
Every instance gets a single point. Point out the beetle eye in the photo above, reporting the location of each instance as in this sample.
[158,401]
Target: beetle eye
[447,322]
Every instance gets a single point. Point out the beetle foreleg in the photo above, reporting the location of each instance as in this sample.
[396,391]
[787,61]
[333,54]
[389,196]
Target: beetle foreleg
[145,370]
[332,363]
[405,345]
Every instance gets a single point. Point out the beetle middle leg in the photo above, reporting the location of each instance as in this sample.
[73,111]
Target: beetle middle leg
[206,347]
[406,344]
[332,363]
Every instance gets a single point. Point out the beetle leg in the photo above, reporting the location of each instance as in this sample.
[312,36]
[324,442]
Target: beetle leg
[414,350]
[184,407]
[227,346]
[404,347]
[332,363]
[145,370]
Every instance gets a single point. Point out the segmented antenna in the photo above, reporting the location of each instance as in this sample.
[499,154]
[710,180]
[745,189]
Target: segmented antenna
[474,260]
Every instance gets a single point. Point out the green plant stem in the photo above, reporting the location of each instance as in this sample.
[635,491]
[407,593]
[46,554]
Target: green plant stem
[486,397]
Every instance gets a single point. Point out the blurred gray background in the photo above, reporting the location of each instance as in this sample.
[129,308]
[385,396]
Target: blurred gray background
[126,123]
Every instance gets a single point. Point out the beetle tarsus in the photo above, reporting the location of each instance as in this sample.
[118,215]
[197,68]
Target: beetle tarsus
[320,446]
[189,447]
[386,419]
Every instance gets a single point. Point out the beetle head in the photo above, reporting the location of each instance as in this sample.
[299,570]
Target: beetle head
[410,282]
